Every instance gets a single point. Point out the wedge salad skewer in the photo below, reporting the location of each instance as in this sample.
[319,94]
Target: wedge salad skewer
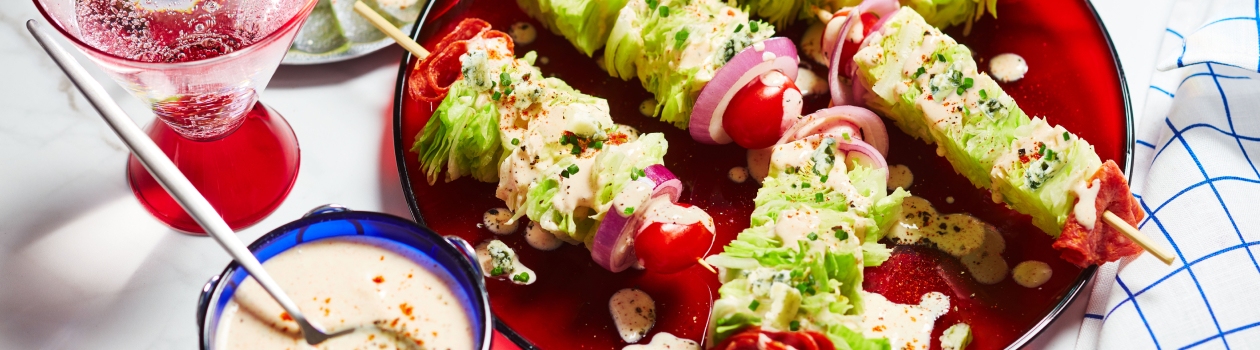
[929,85]
[556,154]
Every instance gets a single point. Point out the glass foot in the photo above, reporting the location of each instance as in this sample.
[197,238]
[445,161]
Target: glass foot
[245,175]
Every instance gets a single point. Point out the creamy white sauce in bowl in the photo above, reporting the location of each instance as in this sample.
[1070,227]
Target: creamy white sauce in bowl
[399,285]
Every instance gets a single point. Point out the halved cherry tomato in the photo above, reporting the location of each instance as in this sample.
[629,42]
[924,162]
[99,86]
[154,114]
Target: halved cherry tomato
[669,248]
[755,116]
[850,47]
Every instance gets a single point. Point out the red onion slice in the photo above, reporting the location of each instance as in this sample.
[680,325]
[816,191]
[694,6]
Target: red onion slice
[613,245]
[882,8]
[666,182]
[872,128]
[706,116]
[862,153]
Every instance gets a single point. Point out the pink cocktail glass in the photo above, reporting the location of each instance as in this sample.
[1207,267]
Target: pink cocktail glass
[199,64]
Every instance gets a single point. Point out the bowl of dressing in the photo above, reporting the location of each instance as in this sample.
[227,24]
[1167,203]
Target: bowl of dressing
[406,286]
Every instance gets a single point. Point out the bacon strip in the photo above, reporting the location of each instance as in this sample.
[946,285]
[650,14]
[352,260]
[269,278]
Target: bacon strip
[1083,247]
[433,76]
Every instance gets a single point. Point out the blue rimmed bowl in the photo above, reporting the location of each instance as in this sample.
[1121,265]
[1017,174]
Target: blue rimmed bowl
[452,253]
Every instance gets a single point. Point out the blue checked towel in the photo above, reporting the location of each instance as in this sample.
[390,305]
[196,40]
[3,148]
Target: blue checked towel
[1195,175]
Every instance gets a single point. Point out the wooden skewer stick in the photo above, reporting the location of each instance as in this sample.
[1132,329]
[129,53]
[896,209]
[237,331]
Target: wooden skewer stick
[389,29]
[1129,231]
[823,15]
[706,265]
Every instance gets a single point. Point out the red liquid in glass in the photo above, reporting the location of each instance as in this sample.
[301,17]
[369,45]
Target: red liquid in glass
[240,154]
[245,175]
[568,307]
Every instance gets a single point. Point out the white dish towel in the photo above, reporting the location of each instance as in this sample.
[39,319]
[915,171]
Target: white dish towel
[1196,175]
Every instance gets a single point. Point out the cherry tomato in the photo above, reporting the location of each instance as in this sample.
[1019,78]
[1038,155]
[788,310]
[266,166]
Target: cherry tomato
[756,115]
[669,248]
[850,47]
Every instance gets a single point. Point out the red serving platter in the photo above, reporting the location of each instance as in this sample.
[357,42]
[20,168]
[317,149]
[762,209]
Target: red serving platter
[1074,80]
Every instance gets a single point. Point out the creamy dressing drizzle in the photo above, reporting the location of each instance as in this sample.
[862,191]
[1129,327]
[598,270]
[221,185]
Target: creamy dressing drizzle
[499,221]
[523,33]
[899,176]
[665,341]
[1085,208]
[346,282]
[905,326]
[974,242]
[1008,67]
[540,238]
[634,313]
[809,83]
[737,174]
[1031,273]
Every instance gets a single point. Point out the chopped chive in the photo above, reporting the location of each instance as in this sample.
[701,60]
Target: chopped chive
[652,4]
[842,234]
[516,141]
[919,72]
[628,211]
[634,175]
[507,92]
[739,27]
[794,325]
[966,111]
[968,82]
[680,39]
[984,95]
[1042,151]
[960,90]
[846,137]
[597,144]
[818,197]
[1066,136]
[754,304]
[496,96]
[498,270]
[812,236]
[753,27]
[564,174]
[940,57]
[504,79]
[822,178]
[642,173]
[664,10]
[805,185]
[573,169]
[521,277]
[577,149]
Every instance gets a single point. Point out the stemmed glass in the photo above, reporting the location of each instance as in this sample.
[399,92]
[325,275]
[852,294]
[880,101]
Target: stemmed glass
[199,64]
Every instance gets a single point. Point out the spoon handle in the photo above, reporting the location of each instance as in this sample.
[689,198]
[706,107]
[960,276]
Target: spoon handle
[158,164]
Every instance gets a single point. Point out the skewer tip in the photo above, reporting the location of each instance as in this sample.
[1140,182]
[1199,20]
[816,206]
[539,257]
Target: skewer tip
[706,265]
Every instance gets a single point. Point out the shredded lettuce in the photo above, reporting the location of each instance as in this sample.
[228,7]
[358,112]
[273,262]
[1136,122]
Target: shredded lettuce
[776,277]
[462,136]
[785,12]
[946,13]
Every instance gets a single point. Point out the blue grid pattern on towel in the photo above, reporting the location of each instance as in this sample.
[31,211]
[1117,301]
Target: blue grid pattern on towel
[1179,141]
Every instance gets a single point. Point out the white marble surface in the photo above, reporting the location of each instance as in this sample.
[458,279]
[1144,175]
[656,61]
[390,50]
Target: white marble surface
[82,265]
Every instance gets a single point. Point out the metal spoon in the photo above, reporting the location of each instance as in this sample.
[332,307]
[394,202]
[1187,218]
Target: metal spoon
[174,181]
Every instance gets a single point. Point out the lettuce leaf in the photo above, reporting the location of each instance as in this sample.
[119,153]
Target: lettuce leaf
[586,23]
[462,136]
[675,46]
[946,13]
[616,164]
